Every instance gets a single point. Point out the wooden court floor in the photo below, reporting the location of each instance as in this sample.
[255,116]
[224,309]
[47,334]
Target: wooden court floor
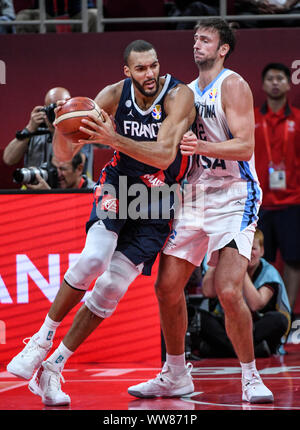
[94,386]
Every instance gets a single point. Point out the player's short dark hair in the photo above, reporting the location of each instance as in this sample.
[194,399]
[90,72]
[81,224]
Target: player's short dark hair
[276,66]
[226,32]
[136,46]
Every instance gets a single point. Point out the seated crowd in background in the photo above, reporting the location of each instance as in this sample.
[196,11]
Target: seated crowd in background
[7,14]
[56,9]
[20,10]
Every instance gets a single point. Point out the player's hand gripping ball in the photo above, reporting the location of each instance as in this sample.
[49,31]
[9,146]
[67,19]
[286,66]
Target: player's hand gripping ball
[69,116]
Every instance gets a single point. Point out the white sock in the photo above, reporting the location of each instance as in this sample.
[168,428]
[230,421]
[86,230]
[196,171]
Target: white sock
[59,357]
[248,369]
[176,363]
[47,331]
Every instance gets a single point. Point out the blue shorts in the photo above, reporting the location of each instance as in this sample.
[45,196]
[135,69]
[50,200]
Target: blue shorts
[281,229]
[139,239]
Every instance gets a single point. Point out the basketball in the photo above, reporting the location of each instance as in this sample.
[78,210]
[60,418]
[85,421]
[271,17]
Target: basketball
[68,118]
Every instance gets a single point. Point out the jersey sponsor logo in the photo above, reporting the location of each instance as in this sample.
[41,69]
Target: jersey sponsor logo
[206,111]
[156,113]
[213,94]
[136,129]
[109,203]
[154,180]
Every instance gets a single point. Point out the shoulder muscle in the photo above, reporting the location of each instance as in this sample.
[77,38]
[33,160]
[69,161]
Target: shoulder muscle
[108,98]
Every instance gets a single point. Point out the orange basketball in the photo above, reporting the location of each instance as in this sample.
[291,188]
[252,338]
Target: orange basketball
[68,119]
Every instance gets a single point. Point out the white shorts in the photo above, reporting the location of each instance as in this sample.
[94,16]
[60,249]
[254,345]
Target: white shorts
[223,215]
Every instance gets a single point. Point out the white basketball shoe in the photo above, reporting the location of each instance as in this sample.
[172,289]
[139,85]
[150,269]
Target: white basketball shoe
[29,359]
[46,384]
[255,391]
[165,384]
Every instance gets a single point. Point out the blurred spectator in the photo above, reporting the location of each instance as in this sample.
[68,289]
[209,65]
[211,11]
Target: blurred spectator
[264,7]
[69,175]
[266,296]
[277,158]
[57,9]
[134,9]
[7,13]
[34,142]
[192,8]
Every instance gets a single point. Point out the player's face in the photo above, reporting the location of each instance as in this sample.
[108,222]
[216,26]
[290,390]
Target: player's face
[206,47]
[143,69]
[256,253]
[276,84]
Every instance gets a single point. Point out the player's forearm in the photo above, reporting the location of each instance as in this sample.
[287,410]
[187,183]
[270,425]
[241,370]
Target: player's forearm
[234,149]
[153,153]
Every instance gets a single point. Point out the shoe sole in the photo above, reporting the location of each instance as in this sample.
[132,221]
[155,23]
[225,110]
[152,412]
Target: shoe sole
[260,399]
[36,390]
[151,396]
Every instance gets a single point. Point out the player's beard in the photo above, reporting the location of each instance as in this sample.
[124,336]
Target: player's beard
[206,63]
[141,88]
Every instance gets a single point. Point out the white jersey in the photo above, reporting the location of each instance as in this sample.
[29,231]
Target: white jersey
[222,197]
[212,126]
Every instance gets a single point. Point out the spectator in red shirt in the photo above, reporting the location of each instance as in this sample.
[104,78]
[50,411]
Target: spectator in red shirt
[277,159]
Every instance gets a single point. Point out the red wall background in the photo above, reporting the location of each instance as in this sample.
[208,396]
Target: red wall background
[84,63]
[39,234]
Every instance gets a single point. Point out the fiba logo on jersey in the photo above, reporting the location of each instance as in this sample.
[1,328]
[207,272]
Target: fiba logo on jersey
[156,113]
[213,94]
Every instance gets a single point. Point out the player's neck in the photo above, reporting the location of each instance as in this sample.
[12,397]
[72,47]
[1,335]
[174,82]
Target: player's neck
[206,76]
[145,102]
[276,104]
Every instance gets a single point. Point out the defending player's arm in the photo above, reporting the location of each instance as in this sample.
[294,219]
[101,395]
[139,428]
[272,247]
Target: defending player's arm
[237,103]
[179,106]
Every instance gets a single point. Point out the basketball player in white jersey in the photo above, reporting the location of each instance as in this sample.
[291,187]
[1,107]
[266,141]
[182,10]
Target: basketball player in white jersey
[224,169]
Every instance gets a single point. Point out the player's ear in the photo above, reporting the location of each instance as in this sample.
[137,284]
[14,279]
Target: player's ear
[127,71]
[224,49]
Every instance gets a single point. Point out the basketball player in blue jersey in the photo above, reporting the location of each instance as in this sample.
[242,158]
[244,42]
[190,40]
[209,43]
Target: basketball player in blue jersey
[153,112]
[224,170]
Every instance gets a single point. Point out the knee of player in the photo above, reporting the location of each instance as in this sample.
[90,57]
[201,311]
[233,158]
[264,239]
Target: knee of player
[229,297]
[167,292]
[92,262]
[110,287]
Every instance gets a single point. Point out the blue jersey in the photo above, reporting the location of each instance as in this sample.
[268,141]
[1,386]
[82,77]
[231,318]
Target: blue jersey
[140,125]
[143,231]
